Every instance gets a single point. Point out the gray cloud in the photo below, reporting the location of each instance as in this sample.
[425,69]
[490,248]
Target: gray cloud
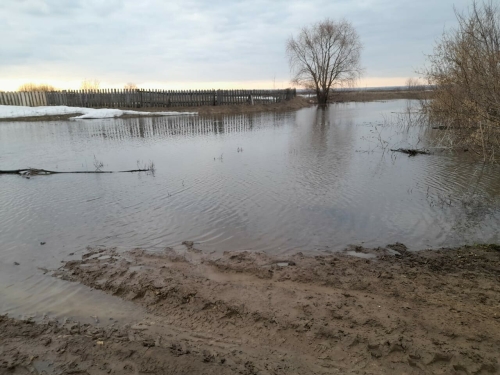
[195,40]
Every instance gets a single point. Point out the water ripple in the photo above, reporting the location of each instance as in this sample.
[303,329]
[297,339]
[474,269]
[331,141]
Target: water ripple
[305,181]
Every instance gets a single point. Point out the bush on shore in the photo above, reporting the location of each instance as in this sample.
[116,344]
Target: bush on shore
[465,68]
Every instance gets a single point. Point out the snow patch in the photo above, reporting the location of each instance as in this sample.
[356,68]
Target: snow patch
[13,111]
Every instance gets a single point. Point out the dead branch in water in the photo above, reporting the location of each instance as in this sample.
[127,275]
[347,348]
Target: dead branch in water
[411,151]
[34,172]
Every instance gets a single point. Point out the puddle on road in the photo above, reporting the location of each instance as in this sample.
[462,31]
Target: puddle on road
[360,255]
[41,296]
[282,264]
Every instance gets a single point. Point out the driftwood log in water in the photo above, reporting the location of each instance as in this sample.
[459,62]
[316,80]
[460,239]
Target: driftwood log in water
[411,151]
[33,171]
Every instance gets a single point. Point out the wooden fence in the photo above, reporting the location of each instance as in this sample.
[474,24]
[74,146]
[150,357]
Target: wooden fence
[116,98]
[30,99]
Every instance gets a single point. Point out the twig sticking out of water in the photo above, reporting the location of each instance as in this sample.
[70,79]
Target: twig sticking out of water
[98,164]
[149,167]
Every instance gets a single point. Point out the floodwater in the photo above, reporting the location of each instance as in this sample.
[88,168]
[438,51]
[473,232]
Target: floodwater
[312,181]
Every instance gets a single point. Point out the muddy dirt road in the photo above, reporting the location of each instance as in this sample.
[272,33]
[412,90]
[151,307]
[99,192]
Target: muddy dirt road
[366,311]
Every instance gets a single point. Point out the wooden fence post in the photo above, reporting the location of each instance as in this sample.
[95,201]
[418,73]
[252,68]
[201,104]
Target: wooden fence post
[219,97]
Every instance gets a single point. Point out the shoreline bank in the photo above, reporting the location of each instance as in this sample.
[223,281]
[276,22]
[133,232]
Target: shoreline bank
[290,105]
[376,311]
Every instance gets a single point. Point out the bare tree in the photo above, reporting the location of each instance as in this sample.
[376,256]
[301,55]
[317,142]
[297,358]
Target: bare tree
[414,84]
[465,67]
[90,84]
[130,86]
[325,55]
[36,87]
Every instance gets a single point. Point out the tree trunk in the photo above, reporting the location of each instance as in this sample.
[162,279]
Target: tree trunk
[322,97]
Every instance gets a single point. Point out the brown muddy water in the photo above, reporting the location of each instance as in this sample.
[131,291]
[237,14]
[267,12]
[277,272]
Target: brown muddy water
[312,181]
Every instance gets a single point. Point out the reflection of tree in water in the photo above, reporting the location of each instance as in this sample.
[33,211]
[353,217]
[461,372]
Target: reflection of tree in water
[321,151]
[185,126]
[319,133]
[323,130]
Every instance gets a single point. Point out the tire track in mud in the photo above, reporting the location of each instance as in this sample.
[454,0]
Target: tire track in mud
[397,312]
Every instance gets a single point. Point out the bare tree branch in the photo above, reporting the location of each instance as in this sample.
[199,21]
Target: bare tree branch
[465,68]
[324,56]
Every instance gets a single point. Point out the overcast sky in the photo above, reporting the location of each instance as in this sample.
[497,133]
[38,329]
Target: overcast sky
[203,44]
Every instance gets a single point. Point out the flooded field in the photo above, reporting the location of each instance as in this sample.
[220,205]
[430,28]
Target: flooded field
[312,181]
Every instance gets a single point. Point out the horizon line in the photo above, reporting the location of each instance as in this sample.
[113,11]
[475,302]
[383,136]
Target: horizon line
[13,84]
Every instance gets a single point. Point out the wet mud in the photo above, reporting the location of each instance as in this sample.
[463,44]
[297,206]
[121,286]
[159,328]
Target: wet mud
[365,311]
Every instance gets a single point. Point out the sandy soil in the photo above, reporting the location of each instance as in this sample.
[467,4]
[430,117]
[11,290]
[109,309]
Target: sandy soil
[366,311]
